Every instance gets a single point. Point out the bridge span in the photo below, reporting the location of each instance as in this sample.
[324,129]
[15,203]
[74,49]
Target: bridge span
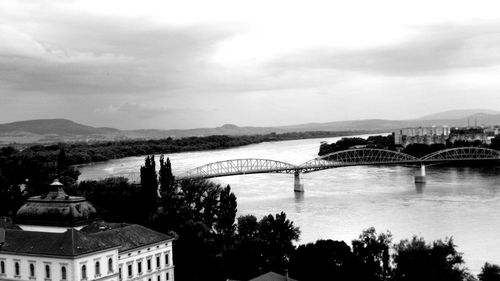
[344,158]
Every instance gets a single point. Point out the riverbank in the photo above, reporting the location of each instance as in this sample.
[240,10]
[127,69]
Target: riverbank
[82,153]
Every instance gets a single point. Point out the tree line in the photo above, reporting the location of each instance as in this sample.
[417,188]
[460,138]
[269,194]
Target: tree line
[81,153]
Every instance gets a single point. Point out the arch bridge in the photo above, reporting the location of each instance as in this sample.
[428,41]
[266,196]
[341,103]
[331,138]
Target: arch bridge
[345,158]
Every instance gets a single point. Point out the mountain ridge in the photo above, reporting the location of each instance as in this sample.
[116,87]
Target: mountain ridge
[458,113]
[64,130]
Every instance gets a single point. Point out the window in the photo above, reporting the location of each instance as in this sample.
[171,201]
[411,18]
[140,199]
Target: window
[16,268]
[2,267]
[84,272]
[129,270]
[32,270]
[158,261]
[63,272]
[110,265]
[97,268]
[149,264]
[167,276]
[139,267]
[158,278]
[120,273]
[166,259]
[47,271]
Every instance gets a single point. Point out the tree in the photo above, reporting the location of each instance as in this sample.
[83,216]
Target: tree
[244,261]
[226,214]
[166,176]
[372,252]
[248,228]
[195,256]
[277,234]
[323,260]
[115,199]
[489,272]
[62,162]
[149,185]
[416,260]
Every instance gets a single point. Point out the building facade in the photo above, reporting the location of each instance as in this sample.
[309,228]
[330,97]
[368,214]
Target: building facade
[424,135]
[60,238]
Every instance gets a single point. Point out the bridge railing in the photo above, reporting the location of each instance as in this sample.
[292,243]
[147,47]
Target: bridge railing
[239,167]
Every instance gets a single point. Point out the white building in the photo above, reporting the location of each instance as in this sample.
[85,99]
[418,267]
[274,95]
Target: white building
[59,238]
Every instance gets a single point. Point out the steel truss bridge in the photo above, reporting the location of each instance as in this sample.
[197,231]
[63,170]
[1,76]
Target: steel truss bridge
[345,158]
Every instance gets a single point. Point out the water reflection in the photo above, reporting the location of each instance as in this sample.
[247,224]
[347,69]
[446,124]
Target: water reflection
[419,187]
[299,197]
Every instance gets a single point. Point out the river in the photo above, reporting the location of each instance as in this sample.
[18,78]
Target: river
[339,203]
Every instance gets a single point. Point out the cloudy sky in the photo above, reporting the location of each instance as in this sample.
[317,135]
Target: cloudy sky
[185,64]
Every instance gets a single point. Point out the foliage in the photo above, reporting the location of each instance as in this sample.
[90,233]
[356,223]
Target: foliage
[203,215]
[226,215]
[165,176]
[419,149]
[115,199]
[248,228]
[372,251]
[416,260]
[34,169]
[149,185]
[261,246]
[386,142]
[323,260]
[277,234]
[489,272]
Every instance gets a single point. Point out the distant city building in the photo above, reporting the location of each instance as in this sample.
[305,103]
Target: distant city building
[469,135]
[425,135]
[59,238]
[443,135]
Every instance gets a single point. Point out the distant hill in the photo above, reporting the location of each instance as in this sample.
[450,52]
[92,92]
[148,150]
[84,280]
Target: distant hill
[53,126]
[458,114]
[63,130]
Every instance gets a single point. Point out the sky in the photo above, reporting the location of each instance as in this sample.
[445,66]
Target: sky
[189,64]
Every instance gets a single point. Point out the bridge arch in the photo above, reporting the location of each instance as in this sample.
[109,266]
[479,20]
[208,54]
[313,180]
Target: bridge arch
[462,154]
[355,157]
[240,167]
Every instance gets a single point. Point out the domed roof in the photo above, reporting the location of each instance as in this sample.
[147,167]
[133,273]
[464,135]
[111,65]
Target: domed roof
[56,209]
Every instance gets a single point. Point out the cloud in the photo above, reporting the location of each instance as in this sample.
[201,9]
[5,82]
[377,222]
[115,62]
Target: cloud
[437,48]
[80,54]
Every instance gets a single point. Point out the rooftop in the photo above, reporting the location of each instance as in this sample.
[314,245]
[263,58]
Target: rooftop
[128,236]
[272,276]
[68,244]
[56,209]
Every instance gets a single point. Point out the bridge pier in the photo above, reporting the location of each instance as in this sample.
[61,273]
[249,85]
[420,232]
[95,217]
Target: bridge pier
[420,178]
[297,186]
